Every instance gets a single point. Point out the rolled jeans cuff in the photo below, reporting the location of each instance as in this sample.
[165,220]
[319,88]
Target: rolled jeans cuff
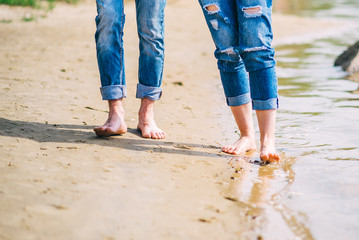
[151,93]
[113,92]
[238,100]
[265,104]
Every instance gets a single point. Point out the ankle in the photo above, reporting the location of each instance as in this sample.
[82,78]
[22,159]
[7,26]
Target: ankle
[116,106]
[248,134]
[117,111]
[144,112]
[146,108]
[146,104]
[267,140]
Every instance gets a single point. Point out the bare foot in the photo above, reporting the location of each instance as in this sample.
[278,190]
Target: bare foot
[115,123]
[243,145]
[146,121]
[268,152]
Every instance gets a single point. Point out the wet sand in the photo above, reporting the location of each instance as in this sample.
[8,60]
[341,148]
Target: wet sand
[59,181]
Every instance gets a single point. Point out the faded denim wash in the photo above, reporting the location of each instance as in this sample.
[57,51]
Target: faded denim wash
[110,53]
[242,33]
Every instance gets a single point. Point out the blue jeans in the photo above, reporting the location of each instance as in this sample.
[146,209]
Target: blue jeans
[242,33]
[110,54]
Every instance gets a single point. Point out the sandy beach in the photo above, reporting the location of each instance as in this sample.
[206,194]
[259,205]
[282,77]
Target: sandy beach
[59,181]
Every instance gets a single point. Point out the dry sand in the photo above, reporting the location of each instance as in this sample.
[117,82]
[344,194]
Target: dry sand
[59,181]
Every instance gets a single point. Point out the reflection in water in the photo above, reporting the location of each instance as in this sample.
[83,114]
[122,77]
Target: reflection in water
[259,189]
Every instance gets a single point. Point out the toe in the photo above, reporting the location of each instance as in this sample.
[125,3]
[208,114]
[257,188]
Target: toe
[159,135]
[230,150]
[163,135]
[100,131]
[154,135]
[146,134]
[276,157]
[225,149]
[264,157]
[236,151]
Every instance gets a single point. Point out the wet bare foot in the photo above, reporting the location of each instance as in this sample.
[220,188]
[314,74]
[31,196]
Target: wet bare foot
[146,121]
[268,152]
[115,124]
[243,145]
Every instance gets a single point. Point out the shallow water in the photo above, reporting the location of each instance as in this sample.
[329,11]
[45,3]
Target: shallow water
[318,122]
[314,194]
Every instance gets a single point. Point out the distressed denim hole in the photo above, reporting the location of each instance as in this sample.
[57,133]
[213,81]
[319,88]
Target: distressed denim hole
[214,24]
[212,8]
[228,51]
[254,49]
[252,11]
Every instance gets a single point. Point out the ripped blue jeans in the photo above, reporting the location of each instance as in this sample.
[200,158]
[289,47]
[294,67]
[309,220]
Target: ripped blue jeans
[242,33]
[110,22]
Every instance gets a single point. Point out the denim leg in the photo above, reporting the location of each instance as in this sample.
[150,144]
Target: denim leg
[150,28]
[264,89]
[110,20]
[235,82]
[221,18]
[255,40]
